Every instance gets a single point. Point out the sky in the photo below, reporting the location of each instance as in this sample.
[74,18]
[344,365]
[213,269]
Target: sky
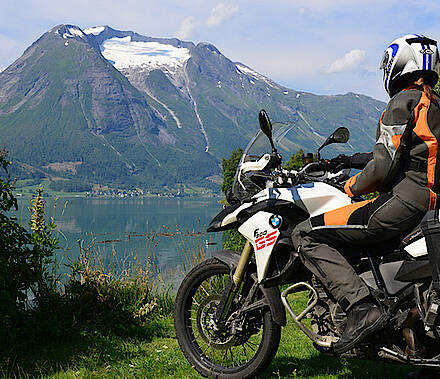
[320,46]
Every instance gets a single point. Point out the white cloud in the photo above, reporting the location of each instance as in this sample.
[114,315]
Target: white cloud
[186,27]
[9,49]
[350,61]
[220,13]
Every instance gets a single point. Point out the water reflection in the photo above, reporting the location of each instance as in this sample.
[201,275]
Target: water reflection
[166,228]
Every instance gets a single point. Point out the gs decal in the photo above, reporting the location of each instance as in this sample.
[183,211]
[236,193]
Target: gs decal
[265,240]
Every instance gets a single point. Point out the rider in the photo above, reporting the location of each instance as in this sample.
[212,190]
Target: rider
[403,168]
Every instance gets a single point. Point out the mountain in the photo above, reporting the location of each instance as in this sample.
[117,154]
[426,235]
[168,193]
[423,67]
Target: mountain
[110,107]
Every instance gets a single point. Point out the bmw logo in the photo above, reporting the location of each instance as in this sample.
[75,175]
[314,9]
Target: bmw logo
[275,221]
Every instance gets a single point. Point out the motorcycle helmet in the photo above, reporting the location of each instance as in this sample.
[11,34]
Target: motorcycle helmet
[407,59]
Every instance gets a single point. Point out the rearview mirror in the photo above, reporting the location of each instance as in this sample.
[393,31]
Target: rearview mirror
[266,127]
[340,135]
[265,124]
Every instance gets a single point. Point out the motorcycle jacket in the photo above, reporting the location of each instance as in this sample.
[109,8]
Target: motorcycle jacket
[406,159]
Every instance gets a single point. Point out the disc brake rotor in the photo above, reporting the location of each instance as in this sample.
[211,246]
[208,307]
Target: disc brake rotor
[218,339]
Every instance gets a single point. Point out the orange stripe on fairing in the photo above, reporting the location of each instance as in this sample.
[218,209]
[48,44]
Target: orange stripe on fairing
[424,133]
[396,140]
[340,216]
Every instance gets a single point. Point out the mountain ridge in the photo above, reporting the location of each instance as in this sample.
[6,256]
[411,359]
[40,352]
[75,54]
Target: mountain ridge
[161,113]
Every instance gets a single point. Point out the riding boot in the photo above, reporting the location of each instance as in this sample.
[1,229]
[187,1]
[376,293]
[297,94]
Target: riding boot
[363,319]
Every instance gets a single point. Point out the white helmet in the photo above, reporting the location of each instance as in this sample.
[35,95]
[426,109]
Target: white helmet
[407,59]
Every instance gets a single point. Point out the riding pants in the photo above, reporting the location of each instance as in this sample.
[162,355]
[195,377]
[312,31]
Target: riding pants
[362,224]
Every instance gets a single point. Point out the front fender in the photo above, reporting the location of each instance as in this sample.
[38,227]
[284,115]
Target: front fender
[271,294]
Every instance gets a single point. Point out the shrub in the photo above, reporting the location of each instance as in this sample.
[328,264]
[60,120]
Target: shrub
[23,255]
[100,298]
[233,239]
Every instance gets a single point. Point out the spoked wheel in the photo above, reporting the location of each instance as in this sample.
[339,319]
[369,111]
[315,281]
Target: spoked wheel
[239,348]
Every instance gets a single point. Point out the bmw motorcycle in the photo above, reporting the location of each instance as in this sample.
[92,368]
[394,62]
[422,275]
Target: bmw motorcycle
[229,309]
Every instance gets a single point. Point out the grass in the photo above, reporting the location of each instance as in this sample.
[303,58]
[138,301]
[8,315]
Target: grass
[27,188]
[155,353]
[109,321]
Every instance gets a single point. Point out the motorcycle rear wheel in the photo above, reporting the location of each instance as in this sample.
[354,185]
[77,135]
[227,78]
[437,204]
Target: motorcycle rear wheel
[222,354]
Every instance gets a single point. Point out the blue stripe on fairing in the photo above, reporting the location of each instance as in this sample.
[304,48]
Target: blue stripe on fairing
[294,190]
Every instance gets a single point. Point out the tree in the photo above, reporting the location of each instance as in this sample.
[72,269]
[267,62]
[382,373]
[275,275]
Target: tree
[295,162]
[229,167]
[233,240]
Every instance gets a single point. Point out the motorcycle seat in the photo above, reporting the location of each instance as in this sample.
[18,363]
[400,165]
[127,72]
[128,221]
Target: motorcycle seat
[414,235]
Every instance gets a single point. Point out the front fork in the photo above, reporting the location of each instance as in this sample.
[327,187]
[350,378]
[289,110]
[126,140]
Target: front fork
[233,284]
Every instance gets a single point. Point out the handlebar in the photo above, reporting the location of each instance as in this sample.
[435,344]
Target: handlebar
[322,173]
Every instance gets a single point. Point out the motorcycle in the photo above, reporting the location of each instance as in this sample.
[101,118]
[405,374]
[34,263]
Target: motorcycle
[229,309]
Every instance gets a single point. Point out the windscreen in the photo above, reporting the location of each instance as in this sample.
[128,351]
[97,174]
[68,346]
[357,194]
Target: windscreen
[248,184]
[282,135]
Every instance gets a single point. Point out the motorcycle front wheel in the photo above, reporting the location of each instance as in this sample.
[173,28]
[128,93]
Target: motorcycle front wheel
[221,352]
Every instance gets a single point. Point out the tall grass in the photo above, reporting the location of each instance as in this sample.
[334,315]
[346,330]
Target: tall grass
[119,294]
[98,297]
[191,246]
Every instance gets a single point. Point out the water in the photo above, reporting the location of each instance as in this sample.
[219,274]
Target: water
[122,228]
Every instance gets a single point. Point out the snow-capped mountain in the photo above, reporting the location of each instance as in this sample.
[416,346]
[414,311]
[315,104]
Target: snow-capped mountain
[126,109]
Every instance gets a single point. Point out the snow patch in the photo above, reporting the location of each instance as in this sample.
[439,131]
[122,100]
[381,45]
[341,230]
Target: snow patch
[252,82]
[72,33]
[66,43]
[125,53]
[95,30]
[247,70]
[76,32]
[357,96]
[286,92]
[255,75]
[298,95]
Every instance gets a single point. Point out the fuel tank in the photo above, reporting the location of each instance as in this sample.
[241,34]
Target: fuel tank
[303,200]
[315,198]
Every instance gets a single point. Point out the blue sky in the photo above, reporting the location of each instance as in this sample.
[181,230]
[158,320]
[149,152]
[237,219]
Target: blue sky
[320,46]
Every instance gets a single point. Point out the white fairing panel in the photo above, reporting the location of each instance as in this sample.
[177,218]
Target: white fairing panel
[232,217]
[322,198]
[316,197]
[263,237]
[417,248]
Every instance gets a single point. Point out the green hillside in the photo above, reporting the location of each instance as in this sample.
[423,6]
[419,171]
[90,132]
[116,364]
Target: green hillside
[68,115]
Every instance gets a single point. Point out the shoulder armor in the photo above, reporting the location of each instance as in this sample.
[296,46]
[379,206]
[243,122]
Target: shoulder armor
[400,107]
